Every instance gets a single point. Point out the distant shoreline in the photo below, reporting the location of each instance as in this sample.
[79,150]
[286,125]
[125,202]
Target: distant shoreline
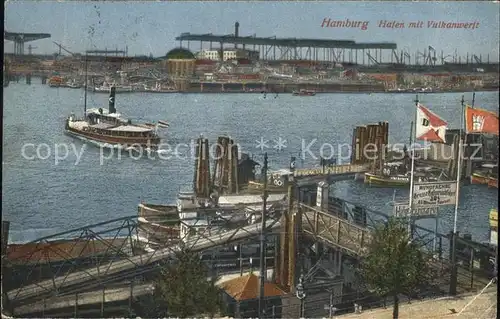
[317,92]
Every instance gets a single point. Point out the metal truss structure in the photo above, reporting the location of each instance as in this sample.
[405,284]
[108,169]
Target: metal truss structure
[20,38]
[112,252]
[103,257]
[300,49]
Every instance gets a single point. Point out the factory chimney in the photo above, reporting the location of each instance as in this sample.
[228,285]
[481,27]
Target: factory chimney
[236,32]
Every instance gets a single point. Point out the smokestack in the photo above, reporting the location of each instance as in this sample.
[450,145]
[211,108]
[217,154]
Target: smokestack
[236,32]
[111,105]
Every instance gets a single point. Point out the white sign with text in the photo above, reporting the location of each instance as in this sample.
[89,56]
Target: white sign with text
[434,193]
[402,209]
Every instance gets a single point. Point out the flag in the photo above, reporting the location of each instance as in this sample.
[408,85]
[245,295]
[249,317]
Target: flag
[163,124]
[429,126]
[480,121]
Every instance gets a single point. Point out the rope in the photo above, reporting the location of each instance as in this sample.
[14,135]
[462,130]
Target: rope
[475,297]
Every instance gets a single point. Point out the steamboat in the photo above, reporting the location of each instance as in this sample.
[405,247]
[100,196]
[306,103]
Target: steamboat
[107,129]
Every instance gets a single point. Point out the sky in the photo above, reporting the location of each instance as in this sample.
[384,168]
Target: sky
[151,27]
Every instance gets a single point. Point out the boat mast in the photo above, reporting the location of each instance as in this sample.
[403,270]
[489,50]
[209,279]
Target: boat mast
[85,86]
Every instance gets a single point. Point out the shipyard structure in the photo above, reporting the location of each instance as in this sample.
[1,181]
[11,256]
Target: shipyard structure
[240,63]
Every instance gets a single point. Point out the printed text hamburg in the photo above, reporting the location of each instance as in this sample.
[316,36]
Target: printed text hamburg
[393,24]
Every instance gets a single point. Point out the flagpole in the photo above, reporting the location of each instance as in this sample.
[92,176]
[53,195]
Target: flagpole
[412,169]
[459,164]
[453,282]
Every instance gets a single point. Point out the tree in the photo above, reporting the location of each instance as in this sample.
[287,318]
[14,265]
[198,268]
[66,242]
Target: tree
[183,289]
[394,265]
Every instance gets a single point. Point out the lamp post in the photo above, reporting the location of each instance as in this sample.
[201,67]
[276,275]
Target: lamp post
[238,249]
[301,294]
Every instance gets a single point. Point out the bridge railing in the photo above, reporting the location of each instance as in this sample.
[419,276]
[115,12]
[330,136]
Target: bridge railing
[44,267]
[329,170]
[335,230]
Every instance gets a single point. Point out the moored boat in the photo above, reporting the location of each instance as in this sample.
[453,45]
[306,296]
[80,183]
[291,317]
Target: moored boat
[55,81]
[387,181]
[395,174]
[73,85]
[118,88]
[158,88]
[304,92]
[485,175]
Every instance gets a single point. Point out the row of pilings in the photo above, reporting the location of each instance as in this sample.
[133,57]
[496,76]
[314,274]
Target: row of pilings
[230,169]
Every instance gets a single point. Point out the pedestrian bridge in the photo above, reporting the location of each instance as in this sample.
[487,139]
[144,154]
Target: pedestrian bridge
[330,174]
[332,230]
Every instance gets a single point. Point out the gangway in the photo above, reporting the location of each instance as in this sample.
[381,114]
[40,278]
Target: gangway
[130,267]
[335,231]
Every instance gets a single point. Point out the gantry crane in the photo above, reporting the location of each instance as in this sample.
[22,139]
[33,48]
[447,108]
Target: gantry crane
[431,60]
[63,48]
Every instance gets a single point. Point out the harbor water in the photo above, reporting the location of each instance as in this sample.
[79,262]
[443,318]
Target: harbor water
[70,184]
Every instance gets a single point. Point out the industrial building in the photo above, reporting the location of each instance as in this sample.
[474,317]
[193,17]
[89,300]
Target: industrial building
[227,54]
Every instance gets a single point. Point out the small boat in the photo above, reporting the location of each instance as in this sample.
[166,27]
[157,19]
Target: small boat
[158,224]
[395,174]
[388,181]
[303,92]
[55,81]
[74,85]
[159,89]
[485,174]
[118,88]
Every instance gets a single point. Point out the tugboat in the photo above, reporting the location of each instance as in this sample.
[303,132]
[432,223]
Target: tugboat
[108,129]
[304,92]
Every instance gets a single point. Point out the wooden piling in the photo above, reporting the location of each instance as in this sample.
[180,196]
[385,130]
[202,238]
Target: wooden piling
[202,169]
[375,135]
[225,175]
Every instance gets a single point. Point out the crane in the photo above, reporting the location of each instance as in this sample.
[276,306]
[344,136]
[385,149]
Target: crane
[478,60]
[407,55]
[30,48]
[420,55]
[444,58]
[63,48]
[372,59]
[431,59]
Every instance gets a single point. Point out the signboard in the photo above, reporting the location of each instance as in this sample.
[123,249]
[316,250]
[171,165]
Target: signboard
[319,196]
[494,237]
[434,193]
[402,209]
